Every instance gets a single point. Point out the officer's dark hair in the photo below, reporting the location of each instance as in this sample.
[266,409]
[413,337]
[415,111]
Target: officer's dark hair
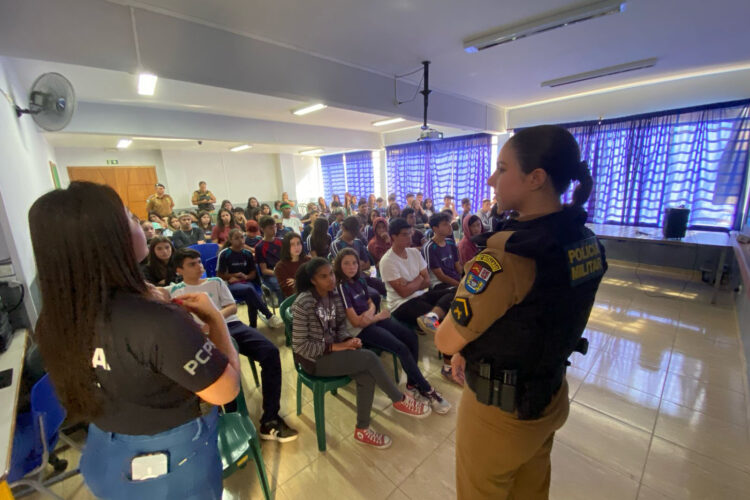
[303,278]
[183,254]
[397,225]
[266,221]
[407,212]
[78,276]
[351,225]
[439,217]
[553,149]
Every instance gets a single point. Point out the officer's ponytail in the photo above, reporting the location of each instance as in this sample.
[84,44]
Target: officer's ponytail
[555,150]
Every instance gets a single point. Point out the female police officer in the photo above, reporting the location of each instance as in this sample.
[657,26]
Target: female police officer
[518,315]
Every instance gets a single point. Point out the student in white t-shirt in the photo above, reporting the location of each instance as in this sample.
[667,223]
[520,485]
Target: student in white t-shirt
[407,283]
[288,220]
[250,341]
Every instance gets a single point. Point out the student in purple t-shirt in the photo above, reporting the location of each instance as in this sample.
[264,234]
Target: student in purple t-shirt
[441,253]
[376,329]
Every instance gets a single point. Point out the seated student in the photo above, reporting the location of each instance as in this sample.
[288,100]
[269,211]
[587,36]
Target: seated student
[173,224]
[394,211]
[421,217]
[276,212]
[378,330]
[324,348]
[404,272]
[485,214]
[380,241]
[268,254]
[429,208]
[369,230]
[159,223]
[227,205]
[441,254]
[319,241]
[236,266]
[350,238]
[465,208]
[337,218]
[416,235]
[238,214]
[252,204]
[265,209]
[187,234]
[205,225]
[224,223]
[362,211]
[448,205]
[289,221]
[252,235]
[250,341]
[381,204]
[292,257]
[322,206]
[467,249]
[308,221]
[410,197]
[159,268]
[148,230]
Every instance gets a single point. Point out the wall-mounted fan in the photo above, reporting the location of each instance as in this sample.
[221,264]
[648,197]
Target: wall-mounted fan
[51,103]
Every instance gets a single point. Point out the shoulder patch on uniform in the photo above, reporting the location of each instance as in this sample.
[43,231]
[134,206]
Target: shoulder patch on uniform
[584,260]
[480,273]
[461,311]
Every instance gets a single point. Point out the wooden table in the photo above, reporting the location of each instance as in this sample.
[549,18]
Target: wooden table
[720,240]
[12,358]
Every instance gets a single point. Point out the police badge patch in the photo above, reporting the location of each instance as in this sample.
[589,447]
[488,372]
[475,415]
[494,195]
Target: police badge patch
[485,266]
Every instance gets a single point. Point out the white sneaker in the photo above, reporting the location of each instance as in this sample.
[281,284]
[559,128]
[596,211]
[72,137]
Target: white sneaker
[438,404]
[275,322]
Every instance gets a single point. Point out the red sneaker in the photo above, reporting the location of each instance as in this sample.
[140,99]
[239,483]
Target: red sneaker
[410,406]
[372,438]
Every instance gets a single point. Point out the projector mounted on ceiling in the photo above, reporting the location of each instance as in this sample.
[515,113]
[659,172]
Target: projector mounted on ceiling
[427,134]
[541,24]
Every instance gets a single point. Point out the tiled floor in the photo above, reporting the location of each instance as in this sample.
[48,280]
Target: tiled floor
[659,411]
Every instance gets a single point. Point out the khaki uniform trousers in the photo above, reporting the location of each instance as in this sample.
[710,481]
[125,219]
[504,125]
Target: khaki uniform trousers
[500,457]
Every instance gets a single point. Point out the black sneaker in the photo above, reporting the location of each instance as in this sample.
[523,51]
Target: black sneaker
[277,430]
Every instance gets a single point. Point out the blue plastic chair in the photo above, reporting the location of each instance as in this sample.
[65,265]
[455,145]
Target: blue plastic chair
[207,251]
[209,265]
[36,435]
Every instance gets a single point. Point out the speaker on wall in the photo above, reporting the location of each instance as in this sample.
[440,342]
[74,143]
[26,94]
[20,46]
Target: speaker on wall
[675,222]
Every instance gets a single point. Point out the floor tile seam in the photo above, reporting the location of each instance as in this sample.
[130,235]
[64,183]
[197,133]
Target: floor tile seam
[422,462]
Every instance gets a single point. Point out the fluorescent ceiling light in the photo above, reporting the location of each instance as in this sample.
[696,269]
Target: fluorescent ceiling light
[388,121]
[545,23]
[161,139]
[309,109]
[639,83]
[146,83]
[311,152]
[124,143]
[237,149]
[598,73]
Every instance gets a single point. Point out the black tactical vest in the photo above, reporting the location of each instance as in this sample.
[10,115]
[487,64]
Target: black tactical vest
[537,336]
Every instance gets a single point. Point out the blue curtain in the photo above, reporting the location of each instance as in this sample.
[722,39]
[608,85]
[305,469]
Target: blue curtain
[334,177]
[459,166]
[696,158]
[360,180]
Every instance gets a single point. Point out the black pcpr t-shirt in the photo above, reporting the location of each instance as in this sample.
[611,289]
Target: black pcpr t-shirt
[150,360]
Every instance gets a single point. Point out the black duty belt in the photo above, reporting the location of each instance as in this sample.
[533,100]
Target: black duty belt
[504,389]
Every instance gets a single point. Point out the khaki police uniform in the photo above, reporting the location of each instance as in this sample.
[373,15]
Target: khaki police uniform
[161,205]
[522,306]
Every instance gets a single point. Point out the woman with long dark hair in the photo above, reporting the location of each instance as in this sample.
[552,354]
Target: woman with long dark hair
[224,223]
[322,206]
[134,366]
[227,205]
[292,257]
[518,315]
[159,269]
[319,241]
[205,225]
[323,347]
[265,209]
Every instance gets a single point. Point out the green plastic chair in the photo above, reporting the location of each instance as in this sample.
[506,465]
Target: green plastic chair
[238,443]
[250,360]
[379,351]
[319,386]
[285,308]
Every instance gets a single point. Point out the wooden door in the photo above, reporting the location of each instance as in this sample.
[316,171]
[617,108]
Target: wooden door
[133,184]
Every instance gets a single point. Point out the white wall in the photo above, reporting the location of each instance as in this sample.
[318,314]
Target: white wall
[232,176]
[24,176]
[307,179]
[97,157]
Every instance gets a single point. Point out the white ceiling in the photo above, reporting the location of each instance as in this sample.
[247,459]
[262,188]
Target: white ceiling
[109,142]
[107,86]
[393,36]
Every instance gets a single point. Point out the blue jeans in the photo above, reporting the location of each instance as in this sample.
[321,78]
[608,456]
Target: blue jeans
[394,337]
[194,471]
[273,284]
